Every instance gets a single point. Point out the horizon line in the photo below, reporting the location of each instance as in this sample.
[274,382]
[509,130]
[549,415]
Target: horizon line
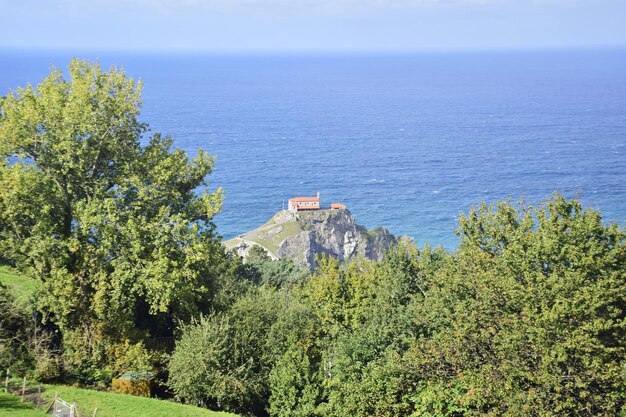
[311,51]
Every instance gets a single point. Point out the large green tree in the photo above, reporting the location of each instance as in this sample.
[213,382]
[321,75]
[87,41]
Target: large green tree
[121,240]
[224,360]
[528,318]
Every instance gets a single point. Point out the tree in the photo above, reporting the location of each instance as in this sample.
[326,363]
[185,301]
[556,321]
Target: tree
[282,273]
[365,312]
[528,318]
[295,385]
[116,232]
[224,360]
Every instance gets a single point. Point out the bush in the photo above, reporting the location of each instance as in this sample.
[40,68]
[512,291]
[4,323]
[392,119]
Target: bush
[528,317]
[26,347]
[132,357]
[224,361]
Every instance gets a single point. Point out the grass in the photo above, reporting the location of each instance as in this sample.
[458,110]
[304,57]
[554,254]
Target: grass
[266,235]
[287,229]
[119,405]
[10,406]
[21,286]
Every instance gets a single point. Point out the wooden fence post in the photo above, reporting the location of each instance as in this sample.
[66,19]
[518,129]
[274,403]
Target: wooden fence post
[38,395]
[53,404]
[6,383]
[23,388]
[50,407]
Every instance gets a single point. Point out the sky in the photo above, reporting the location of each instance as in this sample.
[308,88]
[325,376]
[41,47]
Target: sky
[311,25]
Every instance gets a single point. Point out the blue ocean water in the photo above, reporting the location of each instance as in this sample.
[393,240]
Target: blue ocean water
[406,141]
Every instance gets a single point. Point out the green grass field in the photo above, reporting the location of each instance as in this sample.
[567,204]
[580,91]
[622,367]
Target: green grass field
[21,286]
[10,406]
[119,405]
[109,404]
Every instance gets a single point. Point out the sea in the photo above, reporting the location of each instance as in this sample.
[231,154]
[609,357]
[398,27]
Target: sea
[407,141]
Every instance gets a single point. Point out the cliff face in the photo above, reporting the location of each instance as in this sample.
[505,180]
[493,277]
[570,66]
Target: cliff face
[301,236]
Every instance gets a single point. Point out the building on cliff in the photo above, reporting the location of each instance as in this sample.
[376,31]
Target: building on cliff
[311,203]
[304,203]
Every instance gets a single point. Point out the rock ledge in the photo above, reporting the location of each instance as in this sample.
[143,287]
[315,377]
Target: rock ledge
[301,236]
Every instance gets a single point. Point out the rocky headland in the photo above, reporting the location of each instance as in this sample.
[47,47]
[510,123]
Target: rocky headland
[303,235]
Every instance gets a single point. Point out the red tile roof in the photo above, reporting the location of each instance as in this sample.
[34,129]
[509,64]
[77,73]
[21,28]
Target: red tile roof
[298,199]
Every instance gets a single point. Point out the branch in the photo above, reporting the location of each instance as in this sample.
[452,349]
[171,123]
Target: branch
[97,160]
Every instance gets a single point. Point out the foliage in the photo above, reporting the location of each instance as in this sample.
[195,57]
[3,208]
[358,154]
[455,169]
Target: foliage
[295,385]
[12,322]
[381,388]
[282,273]
[528,317]
[225,360]
[101,219]
[365,310]
[132,358]
[25,346]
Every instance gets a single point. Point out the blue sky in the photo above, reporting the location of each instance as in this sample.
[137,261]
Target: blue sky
[311,25]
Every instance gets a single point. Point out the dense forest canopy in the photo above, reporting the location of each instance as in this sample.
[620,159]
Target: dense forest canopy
[526,318]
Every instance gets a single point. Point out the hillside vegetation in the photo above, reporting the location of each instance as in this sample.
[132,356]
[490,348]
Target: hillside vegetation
[526,318]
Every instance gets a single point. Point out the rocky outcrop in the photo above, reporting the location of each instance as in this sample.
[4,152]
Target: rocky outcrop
[302,236]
